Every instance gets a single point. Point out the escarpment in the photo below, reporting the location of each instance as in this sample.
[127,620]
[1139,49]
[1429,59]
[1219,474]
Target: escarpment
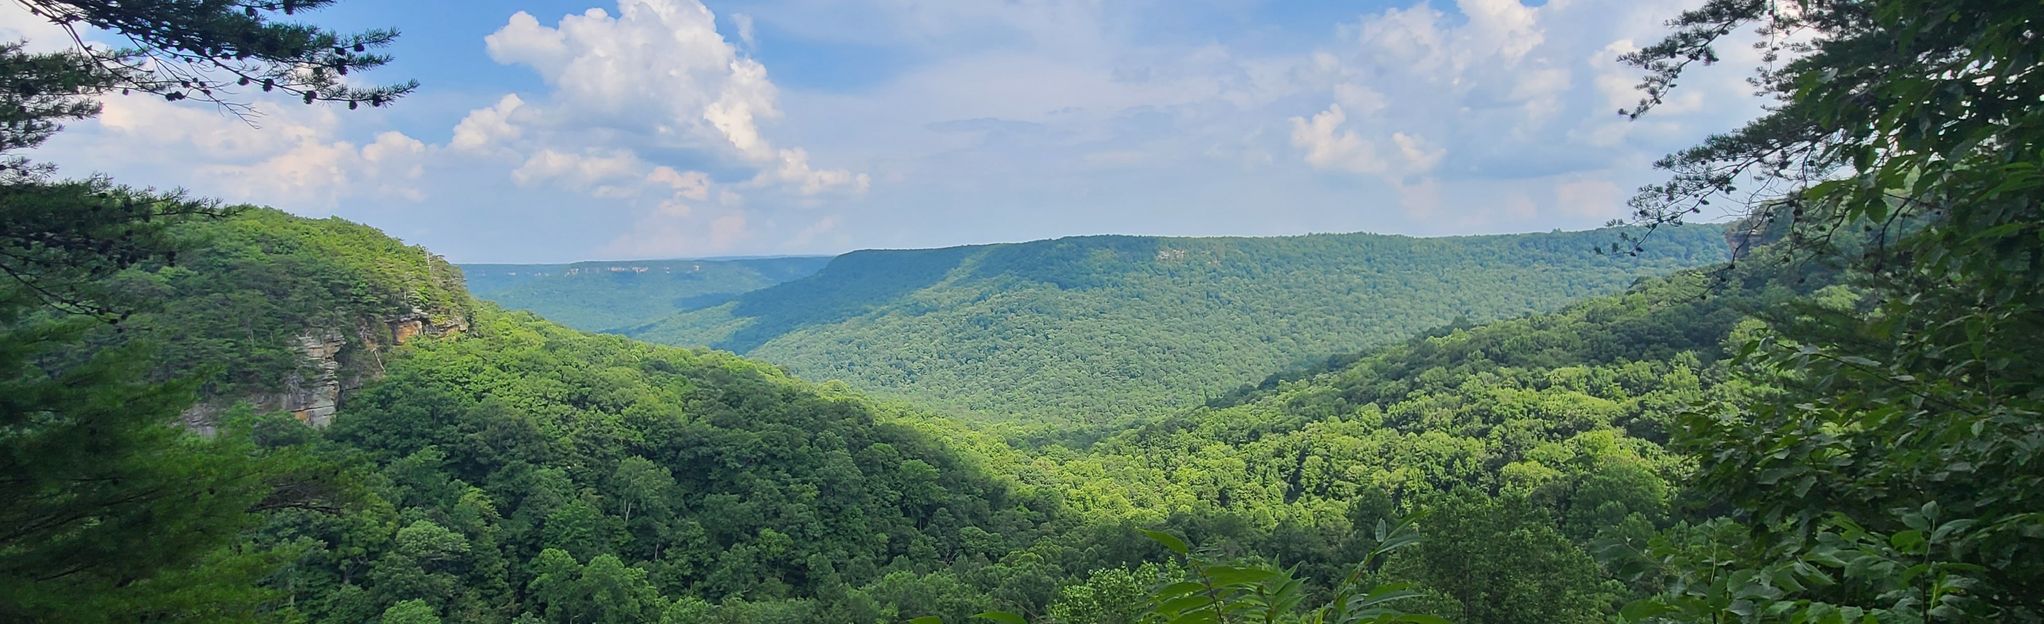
[287,314]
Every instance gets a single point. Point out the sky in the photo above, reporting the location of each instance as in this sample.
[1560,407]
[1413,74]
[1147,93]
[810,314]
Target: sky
[554,131]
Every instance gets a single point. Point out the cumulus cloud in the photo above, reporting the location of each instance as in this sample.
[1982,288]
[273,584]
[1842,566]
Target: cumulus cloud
[657,71]
[794,170]
[629,89]
[289,156]
[488,128]
[590,169]
[1497,91]
[1328,145]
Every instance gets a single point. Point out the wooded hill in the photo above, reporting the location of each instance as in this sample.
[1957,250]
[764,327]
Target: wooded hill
[1103,328]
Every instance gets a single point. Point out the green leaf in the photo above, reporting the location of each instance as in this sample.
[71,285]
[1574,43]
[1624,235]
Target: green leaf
[1227,575]
[1186,603]
[1169,541]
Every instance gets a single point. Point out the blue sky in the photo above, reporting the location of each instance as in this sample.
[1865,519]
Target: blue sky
[557,131]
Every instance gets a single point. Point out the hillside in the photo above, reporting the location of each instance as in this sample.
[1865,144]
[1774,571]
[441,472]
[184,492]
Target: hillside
[286,312]
[525,451]
[1104,327]
[523,469]
[518,470]
[371,437]
[604,296]
[1538,442]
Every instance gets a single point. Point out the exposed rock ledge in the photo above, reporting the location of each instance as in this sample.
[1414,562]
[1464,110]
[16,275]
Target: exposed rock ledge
[334,363]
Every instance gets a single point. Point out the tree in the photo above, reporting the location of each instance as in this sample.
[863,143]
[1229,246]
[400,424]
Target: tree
[427,562]
[643,486]
[555,586]
[618,594]
[1898,475]
[113,513]
[410,612]
[605,591]
[211,50]
[578,528]
[1505,562]
[109,512]
[59,237]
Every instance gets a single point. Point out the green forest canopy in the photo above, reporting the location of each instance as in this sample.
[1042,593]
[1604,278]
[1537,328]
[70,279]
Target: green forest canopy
[529,470]
[1103,328]
[1778,439]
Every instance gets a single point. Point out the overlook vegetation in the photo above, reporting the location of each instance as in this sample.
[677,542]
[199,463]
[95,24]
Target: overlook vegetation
[608,296]
[1097,329]
[1840,424]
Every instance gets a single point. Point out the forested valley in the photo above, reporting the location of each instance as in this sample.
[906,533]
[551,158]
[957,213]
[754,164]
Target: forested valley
[1827,410]
[1106,329]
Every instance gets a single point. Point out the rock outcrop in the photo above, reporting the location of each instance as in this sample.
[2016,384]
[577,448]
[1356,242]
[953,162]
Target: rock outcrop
[333,364]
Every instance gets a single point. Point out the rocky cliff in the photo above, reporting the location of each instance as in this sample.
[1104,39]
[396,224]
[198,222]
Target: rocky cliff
[291,314]
[332,364]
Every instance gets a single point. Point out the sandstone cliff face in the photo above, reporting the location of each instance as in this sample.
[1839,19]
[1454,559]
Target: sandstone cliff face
[334,363]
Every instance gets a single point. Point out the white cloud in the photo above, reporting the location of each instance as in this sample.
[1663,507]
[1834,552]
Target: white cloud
[283,155]
[630,90]
[1329,145]
[1417,156]
[657,69]
[794,170]
[1360,99]
[581,171]
[486,128]
[693,185]
[745,32]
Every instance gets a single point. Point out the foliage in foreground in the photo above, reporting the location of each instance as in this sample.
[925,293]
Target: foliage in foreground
[1897,474]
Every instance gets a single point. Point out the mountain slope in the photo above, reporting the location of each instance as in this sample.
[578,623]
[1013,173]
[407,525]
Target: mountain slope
[601,296]
[1102,327]
[1537,443]
[285,312]
[709,475]
[505,465]
[520,470]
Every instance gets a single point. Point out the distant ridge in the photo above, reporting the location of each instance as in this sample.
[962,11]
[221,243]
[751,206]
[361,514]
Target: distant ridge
[1103,327]
[608,294]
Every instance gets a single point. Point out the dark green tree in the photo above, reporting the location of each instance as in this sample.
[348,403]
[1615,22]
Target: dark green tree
[410,612]
[111,511]
[1898,478]
[59,237]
